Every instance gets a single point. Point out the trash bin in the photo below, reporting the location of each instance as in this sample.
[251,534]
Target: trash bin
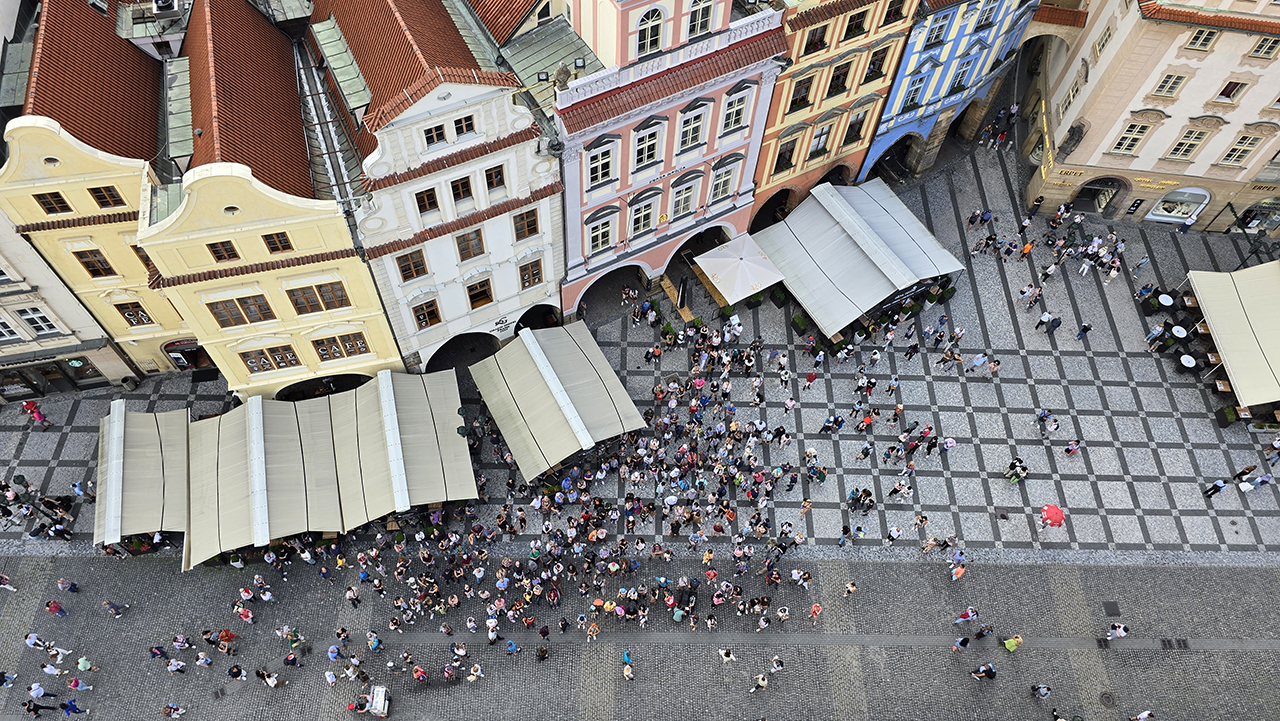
[130,383]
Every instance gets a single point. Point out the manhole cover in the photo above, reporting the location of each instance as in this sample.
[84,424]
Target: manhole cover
[1002,514]
[1107,699]
[1111,608]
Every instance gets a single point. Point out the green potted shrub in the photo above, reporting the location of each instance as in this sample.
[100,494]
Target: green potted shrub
[779,296]
[697,322]
[799,324]
[932,298]
[946,294]
[1226,415]
[755,301]
[667,329]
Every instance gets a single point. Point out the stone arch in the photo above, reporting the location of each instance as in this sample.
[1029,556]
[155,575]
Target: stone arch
[572,302]
[1107,193]
[783,200]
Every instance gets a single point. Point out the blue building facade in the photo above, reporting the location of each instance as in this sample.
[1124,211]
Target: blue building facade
[954,62]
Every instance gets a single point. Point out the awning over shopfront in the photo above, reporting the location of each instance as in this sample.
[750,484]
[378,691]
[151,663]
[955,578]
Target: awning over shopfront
[553,393]
[1242,310]
[845,250]
[270,469]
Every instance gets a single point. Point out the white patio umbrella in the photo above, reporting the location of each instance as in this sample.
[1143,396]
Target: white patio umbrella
[738,268]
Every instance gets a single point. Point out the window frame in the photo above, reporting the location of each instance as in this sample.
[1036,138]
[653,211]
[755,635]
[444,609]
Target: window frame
[458,186]
[481,289]
[722,182]
[911,95]
[470,245]
[641,219]
[937,27]
[811,45]
[256,304]
[424,312]
[336,291]
[790,145]
[649,33]
[594,235]
[228,309]
[531,274]
[961,75]
[409,265]
[648,142]
[53,203]
[1130,139]
[600,168]
[95,263]
[988,14]
[495,178]
[853,29]
[305,300]
[1104,39]
[1187,145]
[878,72]
[1273,44]
[1241,150]
[107,196]
[1169,85]
[223,251]
[860,124]
[38,321]
[799,102]
[842,72]
[893,13]
[281,240]
[465,125]
[821,143]
[735,107]
[691,122]
[1234,98]
[699,18]
[1202,39]
[427,201]
[683,196]
[434,135]
[523,227]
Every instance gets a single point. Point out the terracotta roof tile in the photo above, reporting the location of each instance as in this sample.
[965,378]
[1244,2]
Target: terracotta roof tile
[1055,15]
[1152,10]
[128,216]
[452,159]
[244,95]
[462,223]
[98,86]
[604,107]
[155,280]
[404,49]
[501,17]
[823,13]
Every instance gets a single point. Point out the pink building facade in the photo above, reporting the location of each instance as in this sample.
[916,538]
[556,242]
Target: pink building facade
[663,143]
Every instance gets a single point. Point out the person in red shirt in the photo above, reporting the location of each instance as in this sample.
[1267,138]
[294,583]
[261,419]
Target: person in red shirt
[55,608]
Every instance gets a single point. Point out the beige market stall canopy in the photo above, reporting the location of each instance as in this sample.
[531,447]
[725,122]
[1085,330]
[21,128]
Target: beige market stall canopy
[1242,310]
[553,393]
[845,250]
[738,268]
[270,469]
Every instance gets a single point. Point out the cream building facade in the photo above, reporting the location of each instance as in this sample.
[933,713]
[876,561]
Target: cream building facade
[1162,112]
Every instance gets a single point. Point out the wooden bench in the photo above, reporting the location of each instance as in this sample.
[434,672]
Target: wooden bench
[711,287]
[686,315]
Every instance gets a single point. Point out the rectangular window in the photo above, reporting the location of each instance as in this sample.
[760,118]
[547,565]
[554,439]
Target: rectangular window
[646,148]
[1201,39]
[493,178]
[786,157]
[334,295]
[854,132]
[816,40]
[434,134]
[1070,98]
[1241,151]
[1101,43]
[7,331]
[526,224]
[427,315]
[682,201]
[1230,92]
[52,203]
[353,344]
[988,12]
[1169,85]
[600,167]
[1130,138]
[1266,48]
[857,25]
[721,184]
[480,294]
[256,361]
[464,125]
[277,242]
[283,356]
[461,189]
[223,250]
[800,94]
[875,68]
[305,300]
[894,13]
[411,265]
[735,113]
[642,219]
[531,274]
[821,140]
[38,321]
[690,131]
[601,236]
[937,31]
[327,348]
[427,201]
[142,256]
[700,18]
[255,308]
[95,263]
[470,245]
[912,97]
[106,197]
[227,313]
[1188,144]
[134,313]
[839,80]
[261,361]
[961,76]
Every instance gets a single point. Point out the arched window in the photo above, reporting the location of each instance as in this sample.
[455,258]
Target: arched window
[649,40]
[699,18]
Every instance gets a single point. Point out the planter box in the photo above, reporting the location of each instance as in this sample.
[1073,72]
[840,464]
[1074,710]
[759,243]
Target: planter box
[1224,420]
[752,304]
[779,299]
[801,332]
[1150,307]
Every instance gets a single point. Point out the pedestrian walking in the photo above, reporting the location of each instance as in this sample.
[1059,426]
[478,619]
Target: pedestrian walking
[761,683]
[986,671]
[1084,330]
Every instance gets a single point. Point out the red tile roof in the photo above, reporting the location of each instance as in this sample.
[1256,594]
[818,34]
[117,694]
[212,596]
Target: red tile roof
[244,95]
[823,13]
[103,90]
[607,106]
[155,280]
[404,48]
[464,222]
[128,216]
[448,161]
[502,17]
[1055,15]
[1152,10]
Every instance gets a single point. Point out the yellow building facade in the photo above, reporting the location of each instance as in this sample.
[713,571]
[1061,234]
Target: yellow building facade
[270,283]
[79,207]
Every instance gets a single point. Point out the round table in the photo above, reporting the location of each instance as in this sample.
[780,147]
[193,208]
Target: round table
[1178,331]
[1165,300]
[1187,361]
